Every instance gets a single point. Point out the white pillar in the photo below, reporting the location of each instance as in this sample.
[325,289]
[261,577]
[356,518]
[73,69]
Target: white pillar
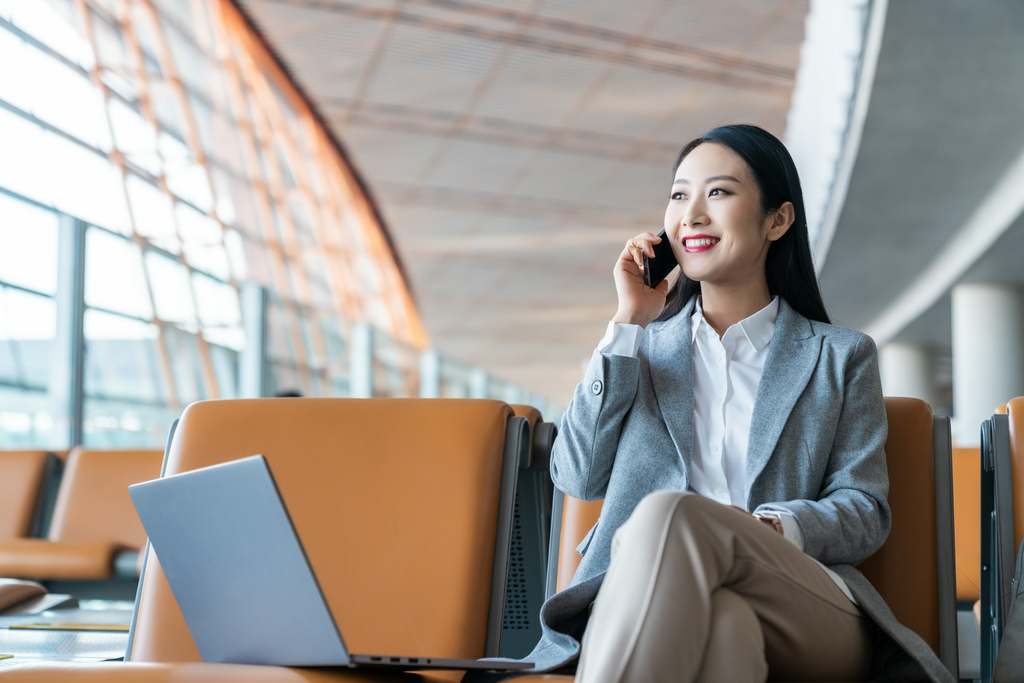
[514,394]
[430,374]
[67,370]
[988,354]
[253,371]
[908,370]
[360,358]
[478,383]
[539,402]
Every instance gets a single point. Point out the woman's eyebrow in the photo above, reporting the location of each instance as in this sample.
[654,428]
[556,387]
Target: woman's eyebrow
[684,181]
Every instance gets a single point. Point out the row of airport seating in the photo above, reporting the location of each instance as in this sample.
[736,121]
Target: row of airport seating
[433,530]
[68,516]
[1002,531]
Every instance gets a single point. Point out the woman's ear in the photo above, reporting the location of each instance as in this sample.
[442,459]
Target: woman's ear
[781,221]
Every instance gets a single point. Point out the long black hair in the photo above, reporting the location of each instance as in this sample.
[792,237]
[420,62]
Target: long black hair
[788,266]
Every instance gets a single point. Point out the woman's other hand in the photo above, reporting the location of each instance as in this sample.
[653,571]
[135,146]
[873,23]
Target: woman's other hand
[770,521]
[638,303]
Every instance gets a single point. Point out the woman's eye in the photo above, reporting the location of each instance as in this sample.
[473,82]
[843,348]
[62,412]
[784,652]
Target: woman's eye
[678,195]
[717,191]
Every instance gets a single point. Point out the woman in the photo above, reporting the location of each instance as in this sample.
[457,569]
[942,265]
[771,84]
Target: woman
[736,438]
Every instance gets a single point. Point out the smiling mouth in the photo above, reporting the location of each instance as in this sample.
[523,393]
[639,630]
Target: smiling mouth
[699,243]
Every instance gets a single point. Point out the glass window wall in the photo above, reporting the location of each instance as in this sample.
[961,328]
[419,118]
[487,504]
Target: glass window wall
[166,128]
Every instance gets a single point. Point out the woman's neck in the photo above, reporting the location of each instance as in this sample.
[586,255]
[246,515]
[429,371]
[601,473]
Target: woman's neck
[724,305]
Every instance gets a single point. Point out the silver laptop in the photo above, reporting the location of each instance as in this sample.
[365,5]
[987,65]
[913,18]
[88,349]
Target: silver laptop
[241,577]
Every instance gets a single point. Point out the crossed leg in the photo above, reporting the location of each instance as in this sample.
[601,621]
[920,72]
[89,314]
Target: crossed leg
[697,591]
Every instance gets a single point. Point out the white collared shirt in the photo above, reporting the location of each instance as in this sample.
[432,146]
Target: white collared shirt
[726,375]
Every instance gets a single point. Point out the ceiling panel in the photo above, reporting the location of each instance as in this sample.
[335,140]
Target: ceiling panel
[514,147]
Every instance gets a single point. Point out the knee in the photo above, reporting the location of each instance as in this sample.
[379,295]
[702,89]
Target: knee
[657,507]
[673,509]
[666,507]
[680,506]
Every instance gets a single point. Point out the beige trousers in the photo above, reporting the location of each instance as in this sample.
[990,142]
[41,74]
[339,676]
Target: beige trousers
[697,591]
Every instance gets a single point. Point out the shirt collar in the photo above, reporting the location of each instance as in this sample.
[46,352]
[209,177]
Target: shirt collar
[757,328]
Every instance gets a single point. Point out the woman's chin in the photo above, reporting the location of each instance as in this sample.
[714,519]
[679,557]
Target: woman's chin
[697,274]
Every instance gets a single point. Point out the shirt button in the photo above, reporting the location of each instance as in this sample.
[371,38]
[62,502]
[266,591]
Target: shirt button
[714,449]
[596,387]
[718,357]
[718,401]
[718,492]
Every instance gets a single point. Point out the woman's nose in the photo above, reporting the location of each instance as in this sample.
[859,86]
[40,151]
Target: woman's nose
[695,214]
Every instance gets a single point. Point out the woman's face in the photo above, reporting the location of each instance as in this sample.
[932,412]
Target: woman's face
[718,231]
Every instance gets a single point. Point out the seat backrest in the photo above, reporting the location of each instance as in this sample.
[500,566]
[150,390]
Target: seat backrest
[531,414]
[910,570]
[21,480]
[542,436]
[531,541]
[93,502]
[1015,415]
[967,522]
[396,502]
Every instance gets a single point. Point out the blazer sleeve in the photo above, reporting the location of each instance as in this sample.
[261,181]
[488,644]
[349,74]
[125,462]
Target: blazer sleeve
[588,437]
[851,506]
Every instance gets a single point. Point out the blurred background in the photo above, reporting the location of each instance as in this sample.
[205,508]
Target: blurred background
[216,198]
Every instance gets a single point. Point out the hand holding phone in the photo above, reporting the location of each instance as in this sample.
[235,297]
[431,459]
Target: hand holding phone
[637,268]
[657,269]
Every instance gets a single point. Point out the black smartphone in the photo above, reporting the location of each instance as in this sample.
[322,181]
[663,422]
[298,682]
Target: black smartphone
[657,269]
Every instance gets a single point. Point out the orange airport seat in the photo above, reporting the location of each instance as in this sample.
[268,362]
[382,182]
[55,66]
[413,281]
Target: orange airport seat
[404,507]
[915,565]
[967,522]
[93,519]
[1015,415]
[369,485]
[23,475]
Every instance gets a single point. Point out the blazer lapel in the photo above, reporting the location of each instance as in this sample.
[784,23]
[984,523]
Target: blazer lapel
[671,363]
[792,356]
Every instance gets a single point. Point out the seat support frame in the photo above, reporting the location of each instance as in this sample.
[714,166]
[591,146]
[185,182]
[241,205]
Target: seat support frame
[997,535]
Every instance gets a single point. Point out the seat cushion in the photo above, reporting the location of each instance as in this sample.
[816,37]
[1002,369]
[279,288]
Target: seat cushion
[578,517]
[37,558]
[133,672]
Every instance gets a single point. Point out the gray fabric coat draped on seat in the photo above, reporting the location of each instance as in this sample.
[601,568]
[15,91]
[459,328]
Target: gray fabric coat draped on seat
[816,449]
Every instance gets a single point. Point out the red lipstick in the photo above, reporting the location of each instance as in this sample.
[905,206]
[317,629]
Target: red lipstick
[709,242]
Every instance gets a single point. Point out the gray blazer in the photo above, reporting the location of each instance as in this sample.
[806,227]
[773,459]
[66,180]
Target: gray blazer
[816,449]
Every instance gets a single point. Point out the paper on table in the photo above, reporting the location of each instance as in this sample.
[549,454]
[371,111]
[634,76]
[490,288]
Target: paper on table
[71,627]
